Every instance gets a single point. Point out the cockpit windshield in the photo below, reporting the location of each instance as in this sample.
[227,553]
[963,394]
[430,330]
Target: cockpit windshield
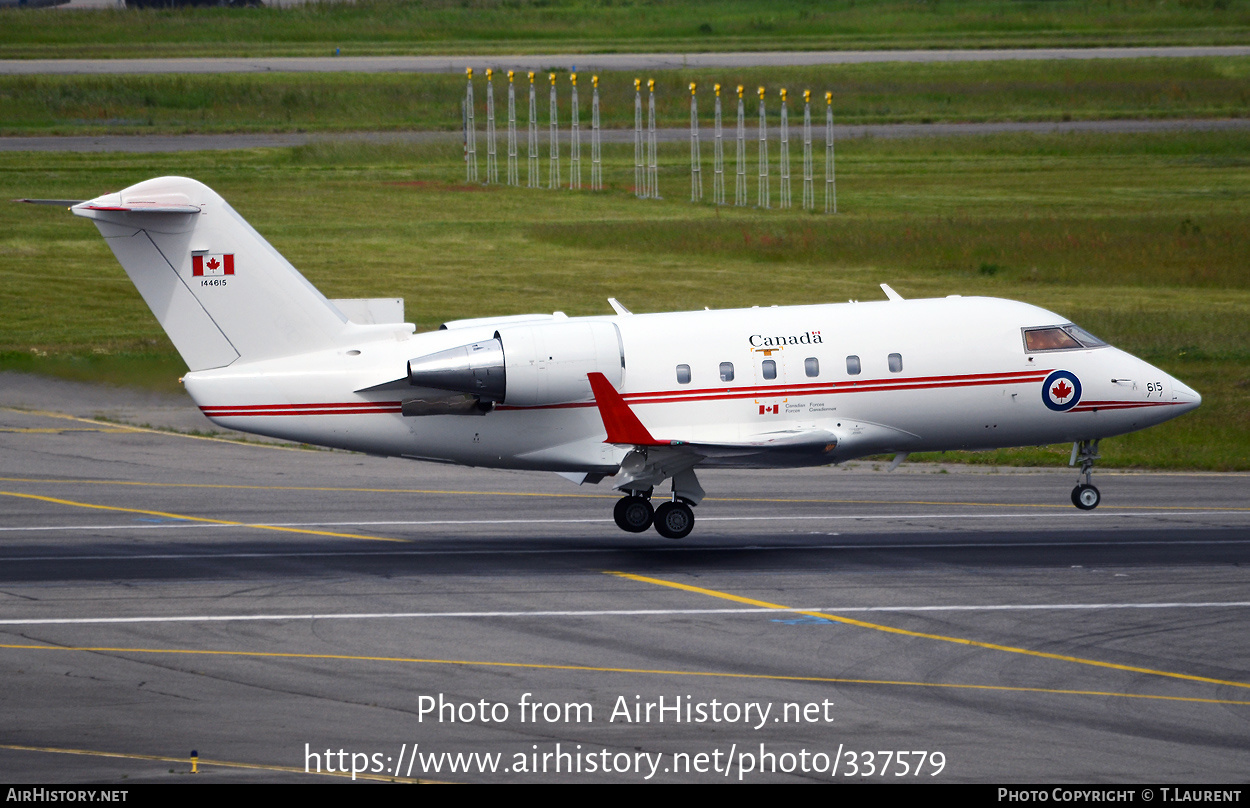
[1059,338]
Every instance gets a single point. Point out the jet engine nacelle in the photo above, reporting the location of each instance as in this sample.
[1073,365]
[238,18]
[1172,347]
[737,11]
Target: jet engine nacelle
[527,365]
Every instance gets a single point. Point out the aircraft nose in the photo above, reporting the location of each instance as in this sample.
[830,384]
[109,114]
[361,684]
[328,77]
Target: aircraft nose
[1185,396]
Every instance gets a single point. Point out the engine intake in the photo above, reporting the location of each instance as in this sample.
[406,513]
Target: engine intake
[527,365]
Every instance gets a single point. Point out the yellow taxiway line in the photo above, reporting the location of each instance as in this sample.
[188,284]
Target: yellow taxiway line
[603,669]
[850,621]
[614,495]
[167,515]
[229,764]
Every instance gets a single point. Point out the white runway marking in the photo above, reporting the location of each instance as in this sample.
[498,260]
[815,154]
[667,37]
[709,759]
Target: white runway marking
[227,618]
[666,548]
[166,524]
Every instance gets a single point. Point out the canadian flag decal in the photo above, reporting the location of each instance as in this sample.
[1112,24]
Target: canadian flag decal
[211,266]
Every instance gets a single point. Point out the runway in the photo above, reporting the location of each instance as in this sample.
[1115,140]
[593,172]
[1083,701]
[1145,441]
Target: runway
[271,607]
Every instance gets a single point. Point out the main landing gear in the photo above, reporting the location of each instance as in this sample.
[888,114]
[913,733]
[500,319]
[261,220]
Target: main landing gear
[672,520]
[1085,496]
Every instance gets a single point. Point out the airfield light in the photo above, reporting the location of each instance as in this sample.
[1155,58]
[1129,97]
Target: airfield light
[513,178]
[718,159]
[470,131]
[740,184]
[492,166]
[596,165]
[553,167]
[809,190]
[765,196]
[784,158]
[696,160]
[831,184]
[653,171]
[640,170]
[575,141]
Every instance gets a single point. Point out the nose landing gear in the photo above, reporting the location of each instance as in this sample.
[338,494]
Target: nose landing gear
[1085,496]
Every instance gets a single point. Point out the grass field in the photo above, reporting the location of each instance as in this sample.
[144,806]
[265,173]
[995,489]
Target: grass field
[1145,240]
[867,93]
[580,26]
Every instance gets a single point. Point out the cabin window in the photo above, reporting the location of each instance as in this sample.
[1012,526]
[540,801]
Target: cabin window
[770,369]
[683,374]
[811,366]
[1049,339]
[896,363]
[726,371]
[852,365]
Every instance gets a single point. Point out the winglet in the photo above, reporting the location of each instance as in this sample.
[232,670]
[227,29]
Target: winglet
[618,419]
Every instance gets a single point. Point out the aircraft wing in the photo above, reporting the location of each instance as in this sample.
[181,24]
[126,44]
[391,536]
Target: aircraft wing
[659,458]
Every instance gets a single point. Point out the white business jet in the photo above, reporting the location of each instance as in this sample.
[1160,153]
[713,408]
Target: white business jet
[638,398]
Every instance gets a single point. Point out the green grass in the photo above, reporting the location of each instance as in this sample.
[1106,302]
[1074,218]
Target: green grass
[1143,239]
[1216,87]
[579,26]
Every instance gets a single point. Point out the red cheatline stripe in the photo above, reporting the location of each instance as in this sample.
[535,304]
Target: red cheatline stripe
[670,396]
[1120,405]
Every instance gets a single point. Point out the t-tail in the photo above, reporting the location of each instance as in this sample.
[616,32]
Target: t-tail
[222,293]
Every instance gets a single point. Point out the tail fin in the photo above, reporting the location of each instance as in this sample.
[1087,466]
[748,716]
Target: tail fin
[219,290]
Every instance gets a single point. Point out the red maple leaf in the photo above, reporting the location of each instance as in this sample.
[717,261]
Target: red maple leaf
[1061,390]
[213,263]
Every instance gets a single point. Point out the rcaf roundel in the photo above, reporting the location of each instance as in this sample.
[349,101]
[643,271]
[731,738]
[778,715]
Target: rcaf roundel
[1061,391]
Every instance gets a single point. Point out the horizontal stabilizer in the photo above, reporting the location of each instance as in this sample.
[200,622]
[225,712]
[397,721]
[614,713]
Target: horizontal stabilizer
[65,202]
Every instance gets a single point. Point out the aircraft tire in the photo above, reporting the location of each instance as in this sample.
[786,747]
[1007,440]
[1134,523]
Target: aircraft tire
[674,520]
[633,514]
[1086,497]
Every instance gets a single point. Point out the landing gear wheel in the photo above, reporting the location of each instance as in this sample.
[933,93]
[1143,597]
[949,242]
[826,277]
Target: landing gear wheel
[674,520]
[633,514]
[1086,497]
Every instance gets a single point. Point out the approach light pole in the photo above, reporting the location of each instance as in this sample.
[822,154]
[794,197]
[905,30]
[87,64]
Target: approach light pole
[696,172]
[765,194]
[718,162]
[512,150]
[470,129]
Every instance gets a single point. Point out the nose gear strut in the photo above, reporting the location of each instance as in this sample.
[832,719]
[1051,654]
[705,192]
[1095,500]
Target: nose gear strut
[1085,496]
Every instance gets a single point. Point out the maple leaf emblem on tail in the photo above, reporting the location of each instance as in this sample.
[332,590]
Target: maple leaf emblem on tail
[213,263]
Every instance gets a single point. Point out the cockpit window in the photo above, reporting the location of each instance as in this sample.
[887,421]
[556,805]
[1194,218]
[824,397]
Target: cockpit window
[1084,337]
[1059,338]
